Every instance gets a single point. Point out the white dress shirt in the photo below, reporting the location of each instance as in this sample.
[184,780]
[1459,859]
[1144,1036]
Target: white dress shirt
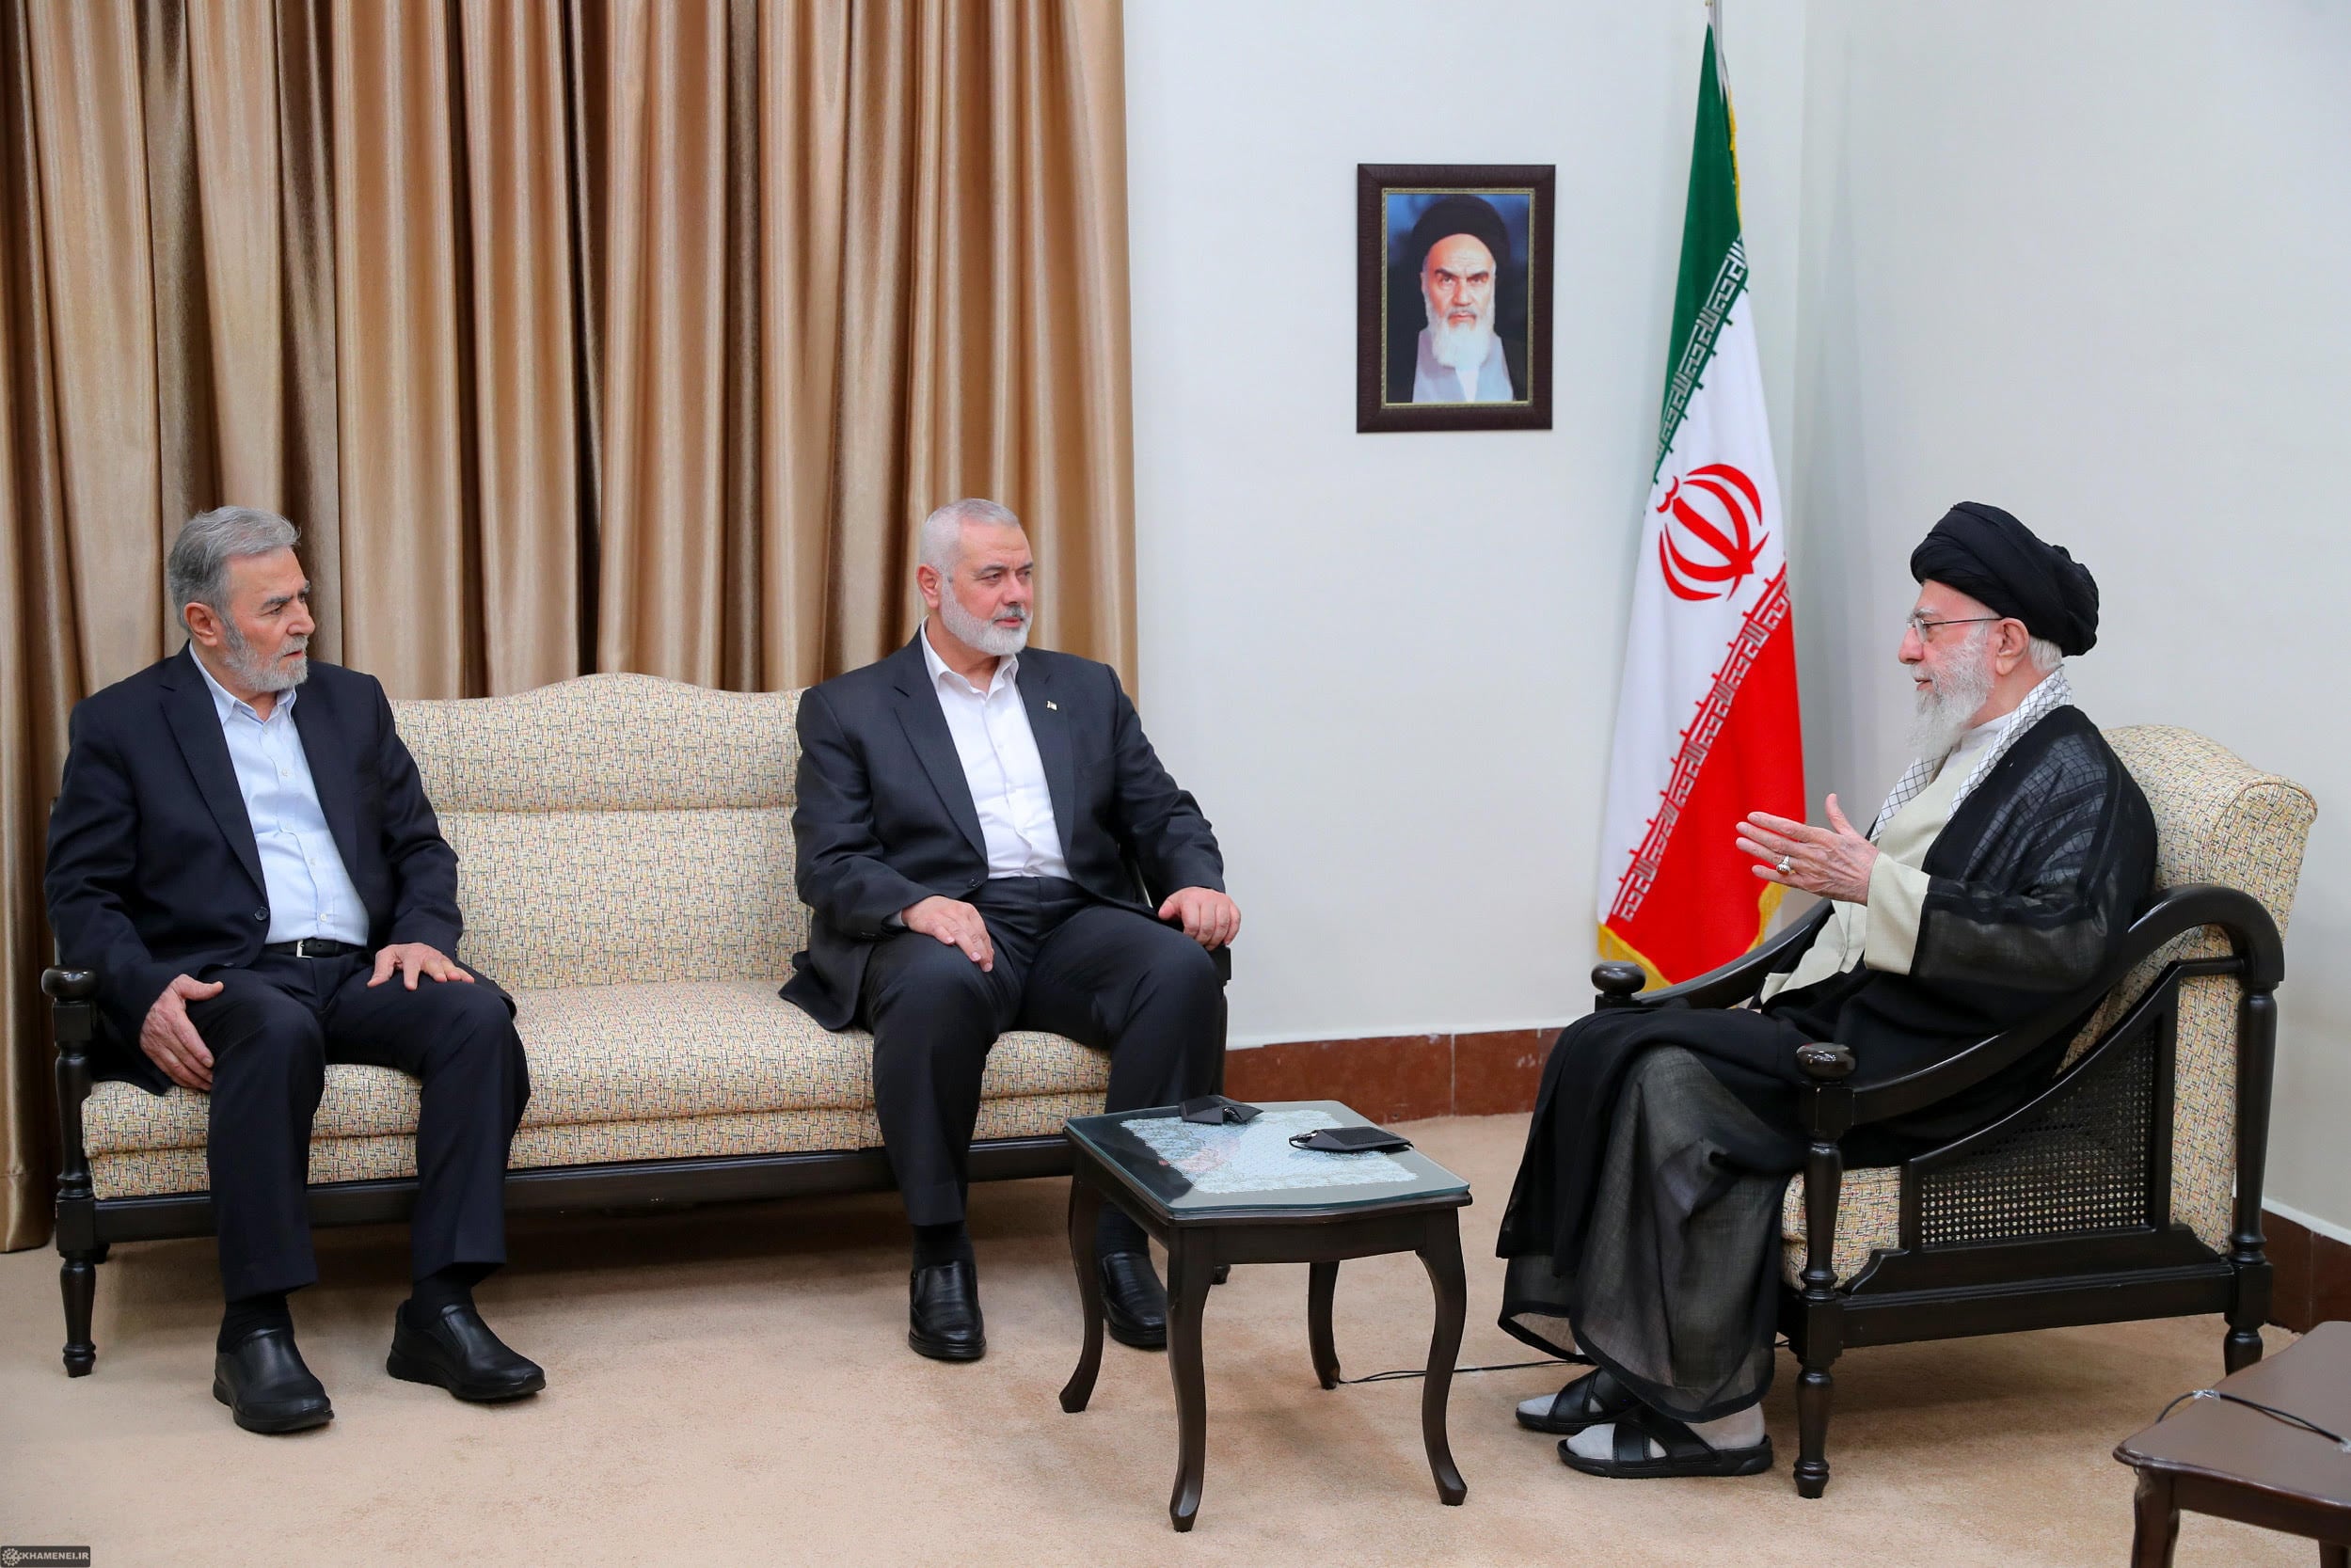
[1007,777]
[310,892]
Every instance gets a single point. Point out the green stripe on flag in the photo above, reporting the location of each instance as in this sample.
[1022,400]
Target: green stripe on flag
[1713,263]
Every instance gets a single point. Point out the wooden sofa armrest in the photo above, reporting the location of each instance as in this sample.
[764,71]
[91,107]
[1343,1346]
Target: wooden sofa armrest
[73,1008]
[70,985]
[1723,987]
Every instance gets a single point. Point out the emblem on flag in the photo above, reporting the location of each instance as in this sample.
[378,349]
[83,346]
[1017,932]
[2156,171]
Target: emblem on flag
[1715,542]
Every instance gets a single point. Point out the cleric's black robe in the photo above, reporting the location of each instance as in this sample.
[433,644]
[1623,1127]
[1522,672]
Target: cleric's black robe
[1643,1227]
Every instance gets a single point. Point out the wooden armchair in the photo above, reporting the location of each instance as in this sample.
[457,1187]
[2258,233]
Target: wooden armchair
[2131,1187]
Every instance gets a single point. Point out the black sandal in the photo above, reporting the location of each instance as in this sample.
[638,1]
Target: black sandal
[1686,1452]
[1586,1402]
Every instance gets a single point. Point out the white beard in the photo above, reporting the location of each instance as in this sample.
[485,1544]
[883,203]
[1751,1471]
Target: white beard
[1459,348]
[1945,707]
[264,674]
[986,636]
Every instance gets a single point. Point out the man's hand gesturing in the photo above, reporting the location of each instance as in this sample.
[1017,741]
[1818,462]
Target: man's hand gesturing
[956,924]
[1833,862]
[169,1038]
[1208,917]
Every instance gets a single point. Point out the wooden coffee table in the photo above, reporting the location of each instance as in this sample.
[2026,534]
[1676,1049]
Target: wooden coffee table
[2217,1458]
[1219,1195]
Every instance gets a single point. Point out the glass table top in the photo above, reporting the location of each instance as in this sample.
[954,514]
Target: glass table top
[1193,1167]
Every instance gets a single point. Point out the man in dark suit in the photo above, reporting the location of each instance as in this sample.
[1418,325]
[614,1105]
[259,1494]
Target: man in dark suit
[971,815]
[242,853]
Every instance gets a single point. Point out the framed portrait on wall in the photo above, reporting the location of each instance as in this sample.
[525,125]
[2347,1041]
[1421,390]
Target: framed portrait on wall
[1453,297]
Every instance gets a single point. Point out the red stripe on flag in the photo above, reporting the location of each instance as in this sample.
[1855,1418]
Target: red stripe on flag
[1690,900]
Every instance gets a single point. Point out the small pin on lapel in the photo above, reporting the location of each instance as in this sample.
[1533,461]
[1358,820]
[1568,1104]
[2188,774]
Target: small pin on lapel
[1053,705]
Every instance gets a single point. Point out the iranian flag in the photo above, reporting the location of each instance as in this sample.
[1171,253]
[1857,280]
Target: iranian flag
[1708,727]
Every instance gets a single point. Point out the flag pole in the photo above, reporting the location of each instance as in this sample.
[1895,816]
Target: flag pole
[1722,77]
[1714,25]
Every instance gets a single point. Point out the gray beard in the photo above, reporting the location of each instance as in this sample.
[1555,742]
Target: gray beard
[261,674]
[1945,707]
[1459,348]
[986,636]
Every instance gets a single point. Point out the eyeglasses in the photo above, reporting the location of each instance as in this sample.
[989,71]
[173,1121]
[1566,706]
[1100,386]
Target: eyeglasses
[1920,624]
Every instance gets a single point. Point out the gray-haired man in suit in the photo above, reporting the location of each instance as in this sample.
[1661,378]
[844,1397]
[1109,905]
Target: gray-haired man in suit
[971,811]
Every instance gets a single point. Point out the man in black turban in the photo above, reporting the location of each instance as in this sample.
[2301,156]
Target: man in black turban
[1984,552]
[2002,872]
[1458,250]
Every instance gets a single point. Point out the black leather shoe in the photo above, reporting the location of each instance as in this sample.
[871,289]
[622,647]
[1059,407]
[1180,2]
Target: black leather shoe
[265,1386]
[943,1319]
[1133,1300]
[455,1348]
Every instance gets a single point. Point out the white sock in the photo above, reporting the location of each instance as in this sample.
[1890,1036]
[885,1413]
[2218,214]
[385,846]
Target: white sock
[1740,1428]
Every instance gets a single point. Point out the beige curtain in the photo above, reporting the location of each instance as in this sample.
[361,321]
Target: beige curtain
[592,335]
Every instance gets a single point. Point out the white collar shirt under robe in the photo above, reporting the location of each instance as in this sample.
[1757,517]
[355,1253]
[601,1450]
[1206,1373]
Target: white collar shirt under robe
[1884,933]
[310,892]
[1007,776]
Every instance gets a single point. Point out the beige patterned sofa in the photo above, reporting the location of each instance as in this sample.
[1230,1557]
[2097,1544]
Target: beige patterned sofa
[626,849]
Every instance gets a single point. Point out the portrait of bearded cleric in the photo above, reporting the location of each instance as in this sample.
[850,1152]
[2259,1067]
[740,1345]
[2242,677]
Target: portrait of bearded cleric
[1452,318]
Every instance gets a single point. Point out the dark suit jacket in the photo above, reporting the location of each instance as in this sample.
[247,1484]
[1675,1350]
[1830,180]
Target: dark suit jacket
[152,868]
[885,816]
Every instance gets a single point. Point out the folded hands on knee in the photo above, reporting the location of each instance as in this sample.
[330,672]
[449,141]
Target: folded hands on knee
[169,1034]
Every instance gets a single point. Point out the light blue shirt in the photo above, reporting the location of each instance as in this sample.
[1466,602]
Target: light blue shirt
[311,894]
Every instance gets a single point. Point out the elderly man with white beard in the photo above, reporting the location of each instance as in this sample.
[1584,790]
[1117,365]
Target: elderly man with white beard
[2003,870]
[1462,244]
[242,853]
[973,816]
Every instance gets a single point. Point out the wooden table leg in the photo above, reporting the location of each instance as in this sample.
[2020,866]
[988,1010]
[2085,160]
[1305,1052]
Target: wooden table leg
[2158,1524]
[2333,1556]
[1321,1279]
[1187,1294]
[1085,1209]
[1440,1254]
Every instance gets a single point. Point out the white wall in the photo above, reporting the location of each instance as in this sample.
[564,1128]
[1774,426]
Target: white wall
[2084,261]
[1387,663]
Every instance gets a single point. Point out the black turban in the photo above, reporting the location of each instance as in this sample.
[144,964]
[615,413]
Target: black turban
[1988,555]
[1460,214]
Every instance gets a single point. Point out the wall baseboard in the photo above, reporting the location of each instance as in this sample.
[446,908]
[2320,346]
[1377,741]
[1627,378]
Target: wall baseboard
[1399,1077]
[2309,1273]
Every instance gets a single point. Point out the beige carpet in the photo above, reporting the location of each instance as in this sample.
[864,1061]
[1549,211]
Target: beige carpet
[732,1385]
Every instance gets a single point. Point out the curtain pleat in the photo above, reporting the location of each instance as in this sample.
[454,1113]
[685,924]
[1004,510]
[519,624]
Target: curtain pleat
[401,349]
[92,244]
[804,97]
[664,297]
[231,175]
[575,335]
[524,436]
[40,668]
[311,418]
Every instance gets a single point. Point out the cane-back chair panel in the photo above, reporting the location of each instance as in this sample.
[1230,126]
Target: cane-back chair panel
[2084,1164]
